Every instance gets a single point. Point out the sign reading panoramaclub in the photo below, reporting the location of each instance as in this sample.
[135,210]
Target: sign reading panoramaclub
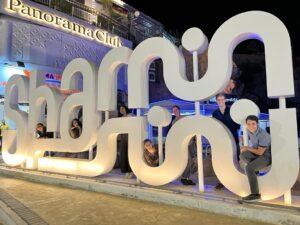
[99,94]
[55,21]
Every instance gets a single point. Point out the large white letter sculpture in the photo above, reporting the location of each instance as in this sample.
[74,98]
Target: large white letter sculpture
[99,95]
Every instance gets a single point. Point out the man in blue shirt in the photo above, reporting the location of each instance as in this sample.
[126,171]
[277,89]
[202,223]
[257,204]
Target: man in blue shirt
[257,155]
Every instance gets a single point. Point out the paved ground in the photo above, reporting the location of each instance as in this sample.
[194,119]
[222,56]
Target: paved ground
[58,205]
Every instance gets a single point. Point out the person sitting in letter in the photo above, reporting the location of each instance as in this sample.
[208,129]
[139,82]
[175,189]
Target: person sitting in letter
[76,129]
[257,155]
[150,153]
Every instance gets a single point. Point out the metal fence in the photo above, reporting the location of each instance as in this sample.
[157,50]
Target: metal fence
[87,14]
[135,31]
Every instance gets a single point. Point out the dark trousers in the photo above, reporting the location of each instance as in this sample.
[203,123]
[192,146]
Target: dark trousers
[238,150]
[192,165]
[254,163]
[124,162]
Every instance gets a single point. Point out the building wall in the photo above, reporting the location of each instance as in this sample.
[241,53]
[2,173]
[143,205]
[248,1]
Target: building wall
[45,47]
[40,45]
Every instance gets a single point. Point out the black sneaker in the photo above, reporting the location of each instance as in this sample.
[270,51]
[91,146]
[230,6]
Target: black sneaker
[252,198]
[219,187]
[184,181]
[190,182]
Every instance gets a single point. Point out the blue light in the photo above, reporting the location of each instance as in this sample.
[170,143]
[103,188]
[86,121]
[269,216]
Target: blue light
[5,73]
[8,71]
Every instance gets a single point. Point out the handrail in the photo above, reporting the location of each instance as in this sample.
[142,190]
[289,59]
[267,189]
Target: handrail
[103,21]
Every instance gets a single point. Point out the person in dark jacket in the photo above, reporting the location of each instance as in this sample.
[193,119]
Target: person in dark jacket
[192,165]
[123,145]
[223,114]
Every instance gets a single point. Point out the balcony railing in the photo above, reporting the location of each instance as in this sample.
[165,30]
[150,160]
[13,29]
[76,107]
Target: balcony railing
[134,31]
[87,14]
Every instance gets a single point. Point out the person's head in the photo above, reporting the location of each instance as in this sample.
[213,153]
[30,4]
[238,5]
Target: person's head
[230,86]
[40,127]
[76,123]
[252,123]
[234,81]
[221,100]
[123,110]
[176,110]
[148,144]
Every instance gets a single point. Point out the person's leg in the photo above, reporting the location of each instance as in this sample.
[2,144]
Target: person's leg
[124,163]
[247,156]
[194,165]
[251,168]
[123,156]
[238,152]
[189,170]
[125,166]
[128,168]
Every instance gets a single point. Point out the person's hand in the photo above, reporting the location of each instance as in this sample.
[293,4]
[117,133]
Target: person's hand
[227,90]
[230,86]
[243,149]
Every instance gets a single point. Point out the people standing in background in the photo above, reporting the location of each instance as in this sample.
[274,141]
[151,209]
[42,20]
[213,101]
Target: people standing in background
[3,126]
[192,165]
[150,153]
[40,132]
[223,114]
[123,145]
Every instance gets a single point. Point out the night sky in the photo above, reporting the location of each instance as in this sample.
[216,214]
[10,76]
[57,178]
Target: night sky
[177,16]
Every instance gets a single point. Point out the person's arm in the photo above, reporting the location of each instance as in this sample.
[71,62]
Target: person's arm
[264,141]
[71,132]
[156,161]
[147,159]
[79,131]
[214,115]
[241,141]
[258,151]
[237,126]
